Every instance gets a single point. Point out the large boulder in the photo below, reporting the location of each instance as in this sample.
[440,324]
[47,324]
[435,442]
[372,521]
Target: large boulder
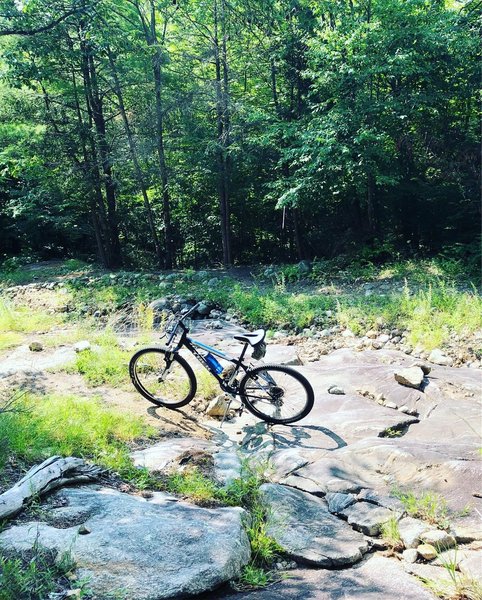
[307,531]
[147,549]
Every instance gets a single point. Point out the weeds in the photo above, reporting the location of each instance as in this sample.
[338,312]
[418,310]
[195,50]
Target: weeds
[244,492]
[104,363]
[16,321]
[391,534]
[37,575]
[427,506]
[68,425]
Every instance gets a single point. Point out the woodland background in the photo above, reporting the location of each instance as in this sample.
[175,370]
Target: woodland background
[183,133]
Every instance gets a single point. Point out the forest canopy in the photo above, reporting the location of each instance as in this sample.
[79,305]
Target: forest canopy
[179,133]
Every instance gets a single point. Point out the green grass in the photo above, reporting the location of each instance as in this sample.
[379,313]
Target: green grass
[17,321]
[104,363]
[68,425]
[37,575]
[429,315]
[428,506]
[243,491]
[14,272]
[194,485]
[391,534]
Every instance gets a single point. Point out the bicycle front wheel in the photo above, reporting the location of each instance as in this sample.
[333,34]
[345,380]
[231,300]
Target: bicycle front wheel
[277,394]
[163,377]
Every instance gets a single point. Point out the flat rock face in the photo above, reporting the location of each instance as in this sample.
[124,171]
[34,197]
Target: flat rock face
[308,532]
[22,360]
[159,456]
[149,550]
[366,517]
[376,578]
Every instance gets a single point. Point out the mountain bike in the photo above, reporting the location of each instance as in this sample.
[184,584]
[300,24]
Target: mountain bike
[273,393]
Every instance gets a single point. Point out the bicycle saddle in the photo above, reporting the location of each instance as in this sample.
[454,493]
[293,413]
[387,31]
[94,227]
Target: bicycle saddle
[252,338]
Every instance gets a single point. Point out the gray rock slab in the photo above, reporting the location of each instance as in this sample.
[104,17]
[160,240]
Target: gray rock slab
[366,517]
[446,467]
[376,578]
[338,502]
[281,355]
[159,456]
[308,532]
[149,550]
[471,565]
[21,360]
[411,531]
[227,466]
[410,377]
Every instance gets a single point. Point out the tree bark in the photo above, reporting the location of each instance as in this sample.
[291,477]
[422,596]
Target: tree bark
[52,473]
[135,160]
[223,126]
[97,112]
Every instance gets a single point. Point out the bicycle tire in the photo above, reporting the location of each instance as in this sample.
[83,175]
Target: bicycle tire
[144,368]
[276,398]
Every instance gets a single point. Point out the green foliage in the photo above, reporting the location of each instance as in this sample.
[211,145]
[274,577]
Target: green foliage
[254,577]
[37,576]
[103,363]
[428,506]
[390,533]
[71,426]
[359,120]
[18,320]
[193,484]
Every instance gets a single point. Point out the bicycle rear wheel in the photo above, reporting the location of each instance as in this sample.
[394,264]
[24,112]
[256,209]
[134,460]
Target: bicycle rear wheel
[163,377]
[277,394]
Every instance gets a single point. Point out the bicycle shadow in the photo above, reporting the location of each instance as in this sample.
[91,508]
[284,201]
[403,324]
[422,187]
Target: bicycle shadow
[262,437]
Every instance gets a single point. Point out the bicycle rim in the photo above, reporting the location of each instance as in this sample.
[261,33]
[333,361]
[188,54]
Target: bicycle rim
[277,394]
[161,379]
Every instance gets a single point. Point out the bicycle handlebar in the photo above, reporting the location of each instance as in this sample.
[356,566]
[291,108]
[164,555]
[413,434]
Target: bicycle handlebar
[189,312]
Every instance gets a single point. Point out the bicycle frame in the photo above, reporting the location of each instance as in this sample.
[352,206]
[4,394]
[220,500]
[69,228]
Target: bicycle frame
[192,345]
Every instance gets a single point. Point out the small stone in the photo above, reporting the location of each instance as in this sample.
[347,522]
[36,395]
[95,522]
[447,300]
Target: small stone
[391,405]
[348,333]
[204,309]
[410,531]
[376,345]
[427,551]
[338,501]
[83,530]
[372,334]
[380,399]
[441,540]
[159,304]
[410,555]
[367,517]
[439,358]
[76,593]
[218,406]
[404,409]
[35,347]
[425,368]
[82,346]
[383,339]
[335,389]
[411,377]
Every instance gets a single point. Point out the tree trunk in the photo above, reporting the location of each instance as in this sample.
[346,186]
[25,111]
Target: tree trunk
[371,205]
[52,473]
[133,152]
[97,113]
[223,124]
[152,40]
